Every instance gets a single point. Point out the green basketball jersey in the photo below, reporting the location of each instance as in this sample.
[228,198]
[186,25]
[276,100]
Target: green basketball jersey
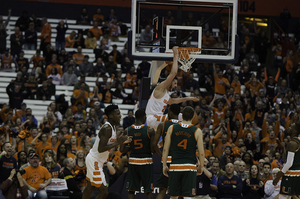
[140,147]
[183,144]
[296,162]
[166,126]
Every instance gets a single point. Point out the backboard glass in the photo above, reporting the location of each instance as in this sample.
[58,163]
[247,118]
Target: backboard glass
[158,25]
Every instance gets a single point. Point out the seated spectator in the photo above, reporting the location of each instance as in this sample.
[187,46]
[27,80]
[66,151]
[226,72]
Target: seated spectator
[126,65]
[98,16]
[79,40]
[215,167]
[229,185]
[54,65]
[93,116]
[80,114]
[69,78]
[95,96]
[107,93]
[81,95]
[99,112]
[105,41]
[90,41]
[131,78]
[270,190]
[253,181]
[80,169]
[74,191]
[101,53]
[49,53]
[99,67]
[86,67]
[253,60]
[97,32]
[43,92]
[266,172]
[128,120]
[78,57]
[70,40]
[282,89]
[241,170]
[111,66]
[23,21]
[72,63]
[83,18]
[78,85]
[146,35]
[123,28]
[36,178]
[207,40]
[16,42]
[114,30]
[117,56]
[14,184]
[30,38]
[21,61]
[50,164]
[36,58]
[56,78]
[61,29]
[6,61]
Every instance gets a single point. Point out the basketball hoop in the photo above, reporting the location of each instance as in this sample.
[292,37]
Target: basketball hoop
[187,57]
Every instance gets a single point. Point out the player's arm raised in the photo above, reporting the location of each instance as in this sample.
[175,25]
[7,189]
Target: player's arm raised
[180,100]
[166,150]
[104,135]
[199,137]
[292,148]
[165,84]
[155,139]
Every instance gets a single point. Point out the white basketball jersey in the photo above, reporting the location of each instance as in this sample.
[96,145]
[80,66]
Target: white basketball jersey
[102,157]
[157,106]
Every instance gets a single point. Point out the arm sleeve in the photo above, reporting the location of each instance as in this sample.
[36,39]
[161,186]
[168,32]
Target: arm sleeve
[269,188]
[289,161]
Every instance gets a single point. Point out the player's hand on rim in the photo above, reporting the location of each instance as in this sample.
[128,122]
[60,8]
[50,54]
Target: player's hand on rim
[165,171]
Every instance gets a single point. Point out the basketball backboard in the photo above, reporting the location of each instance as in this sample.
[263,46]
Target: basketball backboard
[158,25]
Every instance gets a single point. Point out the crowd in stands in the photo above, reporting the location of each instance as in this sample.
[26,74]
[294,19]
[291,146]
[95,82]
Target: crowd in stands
[251,108]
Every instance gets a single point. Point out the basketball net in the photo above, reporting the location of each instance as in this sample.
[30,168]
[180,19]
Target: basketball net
[187,57]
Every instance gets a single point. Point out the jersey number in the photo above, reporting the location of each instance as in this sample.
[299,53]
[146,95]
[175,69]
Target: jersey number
[138,144]
[183,143]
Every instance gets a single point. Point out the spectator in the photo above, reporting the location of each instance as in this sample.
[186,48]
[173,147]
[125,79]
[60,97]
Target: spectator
[216,169]
[126,65]
[97,32]
[99,67]
[253,60]
[111,15]
[37,22]
[78,57]
[229,185]
[123,28]
[3,36]
[6,60]
[241,170]
[79,40]
[98,16]
[244,75]
[74,191]
[143,69]
[69,78]
[111,66]
[225,157]
[207,40]
[99,112]
[220,82]
[70,40]
[36,178]
[56,78]
[45,34]
[107,94]
[253,187]
[43,92]
[53,65]
[86,67]
[84,18]
[266,172]
[105,41]
[30,38]
[117,56]
[131,78]
[7,161]
[100,53]
[21,61]
[270,190]
[282,89]
[61,29]
[36,58]
[78,85]
[15,95]
[80,114]
[114,30]
[90,41]
[95,96]
[50,164]
[14,186]
[203,183]
[49,53]
[146,35]
[16,42]
[128,120]
[7,20]
[23,21]
[191,84]
[81,95]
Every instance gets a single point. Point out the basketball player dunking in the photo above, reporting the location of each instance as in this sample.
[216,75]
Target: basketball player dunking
[160,98]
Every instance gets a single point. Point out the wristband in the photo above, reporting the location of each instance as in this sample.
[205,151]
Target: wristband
[233,186]
[29,186]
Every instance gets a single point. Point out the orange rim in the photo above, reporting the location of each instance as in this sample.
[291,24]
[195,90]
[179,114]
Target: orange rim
[185,51]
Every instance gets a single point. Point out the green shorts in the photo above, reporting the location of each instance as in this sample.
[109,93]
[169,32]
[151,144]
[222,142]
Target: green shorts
[182,183]
[290,185]
[137,174]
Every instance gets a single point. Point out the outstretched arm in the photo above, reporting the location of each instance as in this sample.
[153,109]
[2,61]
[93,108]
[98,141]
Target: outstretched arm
[165,84]
[180,100]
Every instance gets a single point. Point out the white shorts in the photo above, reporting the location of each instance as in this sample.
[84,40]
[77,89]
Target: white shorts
[154,120]
[95,172]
